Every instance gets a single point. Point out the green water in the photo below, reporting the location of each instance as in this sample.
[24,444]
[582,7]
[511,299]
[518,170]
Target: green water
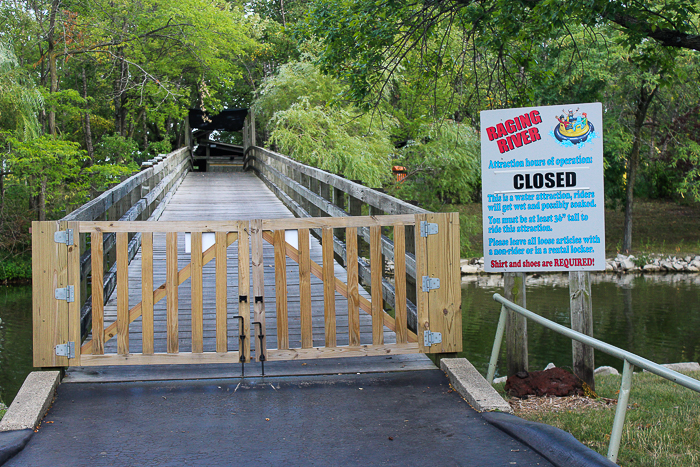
[15,339]
[655,316]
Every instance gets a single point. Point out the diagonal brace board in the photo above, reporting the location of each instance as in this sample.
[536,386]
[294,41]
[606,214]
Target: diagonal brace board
[159,293]
[340,286]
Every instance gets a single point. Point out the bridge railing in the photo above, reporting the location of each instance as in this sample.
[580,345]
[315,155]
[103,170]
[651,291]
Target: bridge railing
[142,196]
[311,192]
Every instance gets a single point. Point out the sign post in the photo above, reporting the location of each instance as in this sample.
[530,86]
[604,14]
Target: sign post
[542,190]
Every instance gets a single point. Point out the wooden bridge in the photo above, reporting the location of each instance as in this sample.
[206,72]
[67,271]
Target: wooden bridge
[271,260]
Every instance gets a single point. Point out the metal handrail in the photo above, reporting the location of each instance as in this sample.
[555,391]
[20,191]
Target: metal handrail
[629,361]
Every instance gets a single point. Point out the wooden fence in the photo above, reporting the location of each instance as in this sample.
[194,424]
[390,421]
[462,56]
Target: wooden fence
[142,196]
[311,192]
[223,328]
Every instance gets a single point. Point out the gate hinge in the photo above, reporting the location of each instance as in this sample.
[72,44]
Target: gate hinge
[430,283]
[66,350]
[65,293]
[428,228]
[431,338]
[64,236]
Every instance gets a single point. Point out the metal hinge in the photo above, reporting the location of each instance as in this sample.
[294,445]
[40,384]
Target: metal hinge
[430,283]
[63,236]
[431,338]
[428,228]
[65,293]
[66,350]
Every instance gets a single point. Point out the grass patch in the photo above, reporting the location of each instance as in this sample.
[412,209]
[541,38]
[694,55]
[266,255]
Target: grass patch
[3,409]
[663,227]
[662,426]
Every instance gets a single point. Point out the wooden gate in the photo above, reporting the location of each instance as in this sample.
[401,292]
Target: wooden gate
[260,289]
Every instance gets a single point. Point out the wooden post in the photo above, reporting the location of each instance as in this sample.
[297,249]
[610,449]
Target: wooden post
[516,325]
[582,321]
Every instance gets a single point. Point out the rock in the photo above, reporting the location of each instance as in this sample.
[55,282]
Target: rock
[695,263]
[549,366]
[693,268]
[500,380]
[667,265]
[608,267]
[688,259]
[469,269]
[652,267]
[554,382]
[605,370]
[678,266]
[627,264]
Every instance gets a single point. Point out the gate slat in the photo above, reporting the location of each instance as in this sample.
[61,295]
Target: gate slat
[281,289]
[147,292]
[307,338]
[221,293]
[244,286]
[258,287]
[423,320]
[196,293]
[329,287]
[375,259]
[400,283]
[171,286]
[122,293]
[353,287]
[98,324]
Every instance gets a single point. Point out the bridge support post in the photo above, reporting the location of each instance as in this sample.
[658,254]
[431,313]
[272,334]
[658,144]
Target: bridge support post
[516,324]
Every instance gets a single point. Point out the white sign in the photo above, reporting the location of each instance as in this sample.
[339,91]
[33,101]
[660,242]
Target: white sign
[542,189]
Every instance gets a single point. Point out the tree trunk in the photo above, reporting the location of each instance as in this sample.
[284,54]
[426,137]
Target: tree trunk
[42,200]
[640,114]
[53,73]
[88,130]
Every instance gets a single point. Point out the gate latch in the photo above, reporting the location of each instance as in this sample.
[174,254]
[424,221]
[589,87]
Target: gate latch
[66,350]
[430,283]
[64,236]
[428,228]
[431,338]
[65,293]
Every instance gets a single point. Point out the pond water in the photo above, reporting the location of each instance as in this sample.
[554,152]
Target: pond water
[15,339]
[655,316]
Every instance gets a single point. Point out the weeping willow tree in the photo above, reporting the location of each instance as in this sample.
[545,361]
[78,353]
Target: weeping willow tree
[20,103]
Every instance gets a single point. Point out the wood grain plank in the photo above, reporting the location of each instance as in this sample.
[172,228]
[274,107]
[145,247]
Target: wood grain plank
[171,289]
[98,325]
[305,288]
[221,293]
[328,288]
[73,266]
[196,293]
[122,293]
[423,319]
[400,313]
[244,285]
[281,288]
[256,233]
[375,258]
[353,287]
[146,292]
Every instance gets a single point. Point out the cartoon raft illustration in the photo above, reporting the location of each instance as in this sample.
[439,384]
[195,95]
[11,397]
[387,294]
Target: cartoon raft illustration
[572,128]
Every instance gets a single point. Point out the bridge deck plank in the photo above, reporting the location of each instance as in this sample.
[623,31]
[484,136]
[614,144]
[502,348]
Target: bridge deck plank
[220,197]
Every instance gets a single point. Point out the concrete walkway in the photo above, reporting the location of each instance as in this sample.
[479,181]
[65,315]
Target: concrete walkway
[397,418]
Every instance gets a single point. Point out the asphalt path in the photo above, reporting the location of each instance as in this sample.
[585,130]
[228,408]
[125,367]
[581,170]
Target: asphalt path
[401,418]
